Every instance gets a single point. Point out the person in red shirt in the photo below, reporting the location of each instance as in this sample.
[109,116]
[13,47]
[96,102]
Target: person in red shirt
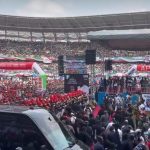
[148,142]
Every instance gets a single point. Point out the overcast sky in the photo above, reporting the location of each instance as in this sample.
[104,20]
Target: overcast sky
[62,8]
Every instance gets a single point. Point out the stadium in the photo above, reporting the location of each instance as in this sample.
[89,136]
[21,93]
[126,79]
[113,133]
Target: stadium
[101,97]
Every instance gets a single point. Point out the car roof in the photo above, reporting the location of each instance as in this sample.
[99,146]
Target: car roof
[15,108]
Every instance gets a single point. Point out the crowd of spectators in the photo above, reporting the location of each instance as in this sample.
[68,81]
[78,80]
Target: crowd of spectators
[116,68]
[23,48]
[17,89]
[52,50]
[122,84]
[117,125]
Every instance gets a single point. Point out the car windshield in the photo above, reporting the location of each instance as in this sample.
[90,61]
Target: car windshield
[69,136]
[54,131]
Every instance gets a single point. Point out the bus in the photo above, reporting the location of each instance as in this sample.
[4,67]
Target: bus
[34,128]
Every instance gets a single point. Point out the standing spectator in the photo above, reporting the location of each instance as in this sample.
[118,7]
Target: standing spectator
[99,143]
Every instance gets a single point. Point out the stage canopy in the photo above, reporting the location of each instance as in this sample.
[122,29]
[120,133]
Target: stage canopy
[135,39]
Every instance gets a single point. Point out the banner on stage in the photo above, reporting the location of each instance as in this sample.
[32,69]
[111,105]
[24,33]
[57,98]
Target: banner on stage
[75,65]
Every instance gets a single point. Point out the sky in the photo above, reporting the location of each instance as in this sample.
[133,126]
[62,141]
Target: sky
[69,8]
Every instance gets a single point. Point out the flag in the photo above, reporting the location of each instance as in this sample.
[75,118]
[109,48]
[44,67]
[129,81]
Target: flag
[96,111]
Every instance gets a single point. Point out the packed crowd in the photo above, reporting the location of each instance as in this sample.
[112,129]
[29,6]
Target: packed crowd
[122,84]
[116,68]
[54,101]
[48,49]
[23,48]
[17,89]
[52,50]
[116,125]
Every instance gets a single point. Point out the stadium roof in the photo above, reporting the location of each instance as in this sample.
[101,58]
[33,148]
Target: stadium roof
[119,34]
[136,20]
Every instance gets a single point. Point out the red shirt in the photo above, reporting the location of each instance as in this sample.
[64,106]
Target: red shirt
[148,144]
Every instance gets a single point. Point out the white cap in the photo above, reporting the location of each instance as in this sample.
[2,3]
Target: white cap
[72,114]
[19,148]
[138,130]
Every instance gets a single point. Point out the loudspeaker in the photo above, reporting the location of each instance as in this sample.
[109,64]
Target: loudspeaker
[60,65]
[90,57]
[108,65]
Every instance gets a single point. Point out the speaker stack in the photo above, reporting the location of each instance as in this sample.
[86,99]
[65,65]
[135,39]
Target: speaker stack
[61,65]
[108,65]
[90,57]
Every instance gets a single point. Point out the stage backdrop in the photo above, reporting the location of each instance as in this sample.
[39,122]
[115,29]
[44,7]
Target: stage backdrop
[75,65]
[75,81]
